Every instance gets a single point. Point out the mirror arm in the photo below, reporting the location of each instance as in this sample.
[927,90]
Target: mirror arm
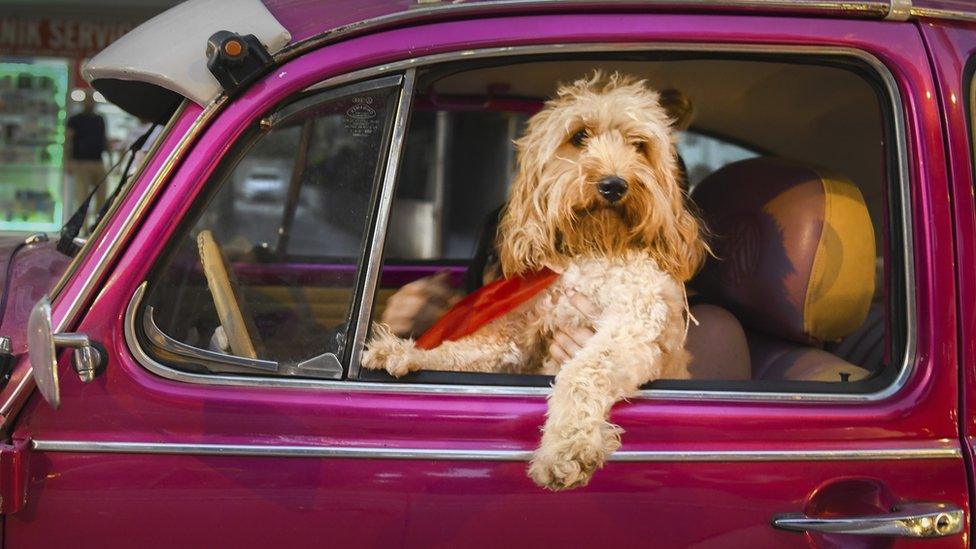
[89,357]
[72,341]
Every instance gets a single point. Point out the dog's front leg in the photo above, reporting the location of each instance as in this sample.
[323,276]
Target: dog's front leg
[577,436]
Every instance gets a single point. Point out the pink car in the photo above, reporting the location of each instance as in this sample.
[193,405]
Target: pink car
[190,374]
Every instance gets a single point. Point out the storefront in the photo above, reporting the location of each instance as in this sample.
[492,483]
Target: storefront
[41,88]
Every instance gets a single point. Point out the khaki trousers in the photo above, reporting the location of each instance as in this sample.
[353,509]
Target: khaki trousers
[85,174]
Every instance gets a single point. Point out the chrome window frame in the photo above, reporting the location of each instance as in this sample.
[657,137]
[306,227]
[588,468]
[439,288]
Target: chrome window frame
[928,450]
[897,117]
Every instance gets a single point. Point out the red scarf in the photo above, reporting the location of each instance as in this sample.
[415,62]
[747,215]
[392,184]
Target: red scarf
[484,305]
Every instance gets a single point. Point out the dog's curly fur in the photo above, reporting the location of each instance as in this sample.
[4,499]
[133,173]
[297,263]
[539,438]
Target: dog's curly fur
[629,257]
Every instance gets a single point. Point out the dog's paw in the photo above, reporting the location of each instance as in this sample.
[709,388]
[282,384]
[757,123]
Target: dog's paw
[388,352]
[564,463]
[559,473]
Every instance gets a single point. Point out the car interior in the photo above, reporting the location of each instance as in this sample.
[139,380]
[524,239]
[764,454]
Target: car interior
[789,161]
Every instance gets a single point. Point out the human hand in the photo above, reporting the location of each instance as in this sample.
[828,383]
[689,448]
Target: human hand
[417,305]
[568,340]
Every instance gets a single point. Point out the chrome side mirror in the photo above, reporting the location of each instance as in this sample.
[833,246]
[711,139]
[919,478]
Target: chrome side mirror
[89,357]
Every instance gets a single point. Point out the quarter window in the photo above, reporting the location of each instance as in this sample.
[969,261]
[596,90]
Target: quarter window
[267,269]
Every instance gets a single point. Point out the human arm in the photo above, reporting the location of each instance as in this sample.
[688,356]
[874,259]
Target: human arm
[418,305]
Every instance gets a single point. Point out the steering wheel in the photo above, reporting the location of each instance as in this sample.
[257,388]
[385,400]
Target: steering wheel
[238,325]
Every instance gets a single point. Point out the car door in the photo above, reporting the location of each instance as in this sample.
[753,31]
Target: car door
[953,45]
[154,455]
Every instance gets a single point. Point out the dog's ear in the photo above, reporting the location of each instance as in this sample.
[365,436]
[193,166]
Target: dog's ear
[679,107]
[678,246]
[525,241]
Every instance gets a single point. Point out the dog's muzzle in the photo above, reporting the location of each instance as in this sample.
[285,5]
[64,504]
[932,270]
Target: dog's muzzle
[612,188]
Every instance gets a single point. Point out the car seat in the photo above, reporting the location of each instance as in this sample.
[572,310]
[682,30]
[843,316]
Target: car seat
[794,261]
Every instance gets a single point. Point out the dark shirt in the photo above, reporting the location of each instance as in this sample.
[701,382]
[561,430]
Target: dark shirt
[88,142]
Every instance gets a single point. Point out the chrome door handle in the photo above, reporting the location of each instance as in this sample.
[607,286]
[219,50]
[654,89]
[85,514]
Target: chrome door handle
[921,520]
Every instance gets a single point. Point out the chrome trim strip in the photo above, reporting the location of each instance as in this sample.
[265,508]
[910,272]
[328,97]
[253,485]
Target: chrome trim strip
[866,9]
[339,452]
[946,15]
[904,191]
[374,262]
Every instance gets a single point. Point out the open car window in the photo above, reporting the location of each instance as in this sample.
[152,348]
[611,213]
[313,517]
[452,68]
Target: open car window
[262,278]
[746,162]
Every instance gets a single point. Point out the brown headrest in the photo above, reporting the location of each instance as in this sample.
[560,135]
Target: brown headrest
[794,246]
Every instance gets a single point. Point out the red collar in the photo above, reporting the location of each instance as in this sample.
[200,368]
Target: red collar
[487,303]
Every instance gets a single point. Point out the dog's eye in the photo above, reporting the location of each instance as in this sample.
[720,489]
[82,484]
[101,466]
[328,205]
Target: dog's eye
[640,146]
[579,138]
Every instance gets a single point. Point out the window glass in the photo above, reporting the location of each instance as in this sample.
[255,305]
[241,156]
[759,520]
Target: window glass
[272,257]
[761,330]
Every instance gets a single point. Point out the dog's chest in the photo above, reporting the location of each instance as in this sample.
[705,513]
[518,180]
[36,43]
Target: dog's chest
[615,286]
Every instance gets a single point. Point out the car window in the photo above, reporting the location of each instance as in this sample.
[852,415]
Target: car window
[267,267]
[836,333]
[266,276]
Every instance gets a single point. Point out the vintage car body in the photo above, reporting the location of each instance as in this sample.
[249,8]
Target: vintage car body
[148,456]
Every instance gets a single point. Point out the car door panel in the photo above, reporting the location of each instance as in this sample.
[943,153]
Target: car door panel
[953,50]
[154,461]
[207,500]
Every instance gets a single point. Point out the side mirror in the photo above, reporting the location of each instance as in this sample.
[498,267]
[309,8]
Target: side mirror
[42,343]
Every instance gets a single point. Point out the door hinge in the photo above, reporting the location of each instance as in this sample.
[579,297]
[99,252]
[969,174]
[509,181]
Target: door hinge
[13,475]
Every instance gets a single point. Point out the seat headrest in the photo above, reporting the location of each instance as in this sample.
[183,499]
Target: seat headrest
[794,248]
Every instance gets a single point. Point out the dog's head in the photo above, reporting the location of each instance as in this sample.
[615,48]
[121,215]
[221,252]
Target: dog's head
[598,175]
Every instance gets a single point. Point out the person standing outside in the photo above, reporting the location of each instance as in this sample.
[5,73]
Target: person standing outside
[86,142]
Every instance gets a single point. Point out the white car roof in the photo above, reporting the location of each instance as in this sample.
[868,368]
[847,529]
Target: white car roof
[169,50]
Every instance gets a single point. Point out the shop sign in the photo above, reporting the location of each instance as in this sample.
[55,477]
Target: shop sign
[58,37]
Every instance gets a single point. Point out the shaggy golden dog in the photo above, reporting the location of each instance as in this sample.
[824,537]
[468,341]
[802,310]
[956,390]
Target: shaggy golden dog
[597,200]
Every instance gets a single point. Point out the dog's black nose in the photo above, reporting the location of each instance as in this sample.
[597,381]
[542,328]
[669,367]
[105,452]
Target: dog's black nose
[612,188]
